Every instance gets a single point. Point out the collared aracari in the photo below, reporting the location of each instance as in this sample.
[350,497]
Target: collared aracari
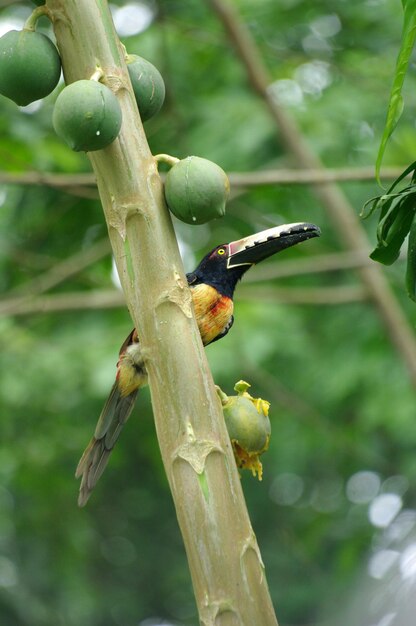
[212,286]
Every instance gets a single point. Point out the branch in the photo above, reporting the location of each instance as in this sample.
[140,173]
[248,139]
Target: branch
[48,179]
[319,264]
[113,299]
[303,295]
[26,299]
[282,176]
[63,270]
[307,414]
[61,302]
[335,202]
[309,176]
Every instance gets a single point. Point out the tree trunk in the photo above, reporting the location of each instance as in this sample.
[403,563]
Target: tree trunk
[224,559]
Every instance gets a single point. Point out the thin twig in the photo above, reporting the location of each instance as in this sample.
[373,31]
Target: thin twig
[284,176]
[284,397]
[335,202]
[61,302]
[304,295]
[312,176]
[25,298]
[61,271]
[111,298]
[26,295]
[47,178]
[319,264]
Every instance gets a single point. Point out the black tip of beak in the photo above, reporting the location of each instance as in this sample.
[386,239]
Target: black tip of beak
[260,246]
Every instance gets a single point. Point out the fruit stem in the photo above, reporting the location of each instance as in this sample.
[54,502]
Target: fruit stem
[127,57]
[166,158]
[241,387]
[31,21]
[97,75]
[222,396]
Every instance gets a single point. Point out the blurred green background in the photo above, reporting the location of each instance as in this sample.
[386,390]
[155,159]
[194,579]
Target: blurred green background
[340,473]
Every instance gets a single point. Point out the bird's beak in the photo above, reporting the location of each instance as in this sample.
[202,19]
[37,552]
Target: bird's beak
[255,248]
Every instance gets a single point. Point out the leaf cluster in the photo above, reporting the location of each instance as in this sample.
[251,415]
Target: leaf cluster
[396,222]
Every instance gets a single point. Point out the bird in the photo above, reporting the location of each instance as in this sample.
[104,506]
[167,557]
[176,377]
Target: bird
[212,285]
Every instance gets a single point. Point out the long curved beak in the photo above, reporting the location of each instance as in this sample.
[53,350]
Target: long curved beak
[257,247]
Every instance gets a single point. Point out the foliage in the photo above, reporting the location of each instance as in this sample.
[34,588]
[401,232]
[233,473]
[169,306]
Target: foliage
[395,108]
[397,209]
[397,215]
[341,400]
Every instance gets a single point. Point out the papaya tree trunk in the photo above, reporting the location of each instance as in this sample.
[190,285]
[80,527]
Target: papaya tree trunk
[224,559]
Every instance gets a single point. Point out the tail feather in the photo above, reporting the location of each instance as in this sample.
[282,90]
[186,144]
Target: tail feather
[114,415]
[123,410]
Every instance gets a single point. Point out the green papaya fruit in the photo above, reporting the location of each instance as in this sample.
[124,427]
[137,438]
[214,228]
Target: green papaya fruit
[148,86]
[196,190]
[30,66]
[87,116]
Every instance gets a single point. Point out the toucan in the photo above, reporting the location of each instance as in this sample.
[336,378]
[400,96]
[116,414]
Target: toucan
[212,286]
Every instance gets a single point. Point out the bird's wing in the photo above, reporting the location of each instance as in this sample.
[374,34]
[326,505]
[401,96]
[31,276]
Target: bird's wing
[224,331]
[118,407]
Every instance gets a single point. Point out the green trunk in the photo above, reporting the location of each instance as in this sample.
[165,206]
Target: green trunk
[224,559]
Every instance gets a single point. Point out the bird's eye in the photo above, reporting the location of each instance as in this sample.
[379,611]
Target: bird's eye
[221,251]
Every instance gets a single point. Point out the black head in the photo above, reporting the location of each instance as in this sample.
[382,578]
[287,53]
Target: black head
[225,265]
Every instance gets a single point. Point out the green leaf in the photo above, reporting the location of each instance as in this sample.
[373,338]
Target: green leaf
[411,263]
[410,168]
[397,210]
[389,213]
[393,230]
[375,204]
[395,107]
[383,202]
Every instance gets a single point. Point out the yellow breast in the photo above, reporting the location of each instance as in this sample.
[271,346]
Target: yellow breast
[213,311]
